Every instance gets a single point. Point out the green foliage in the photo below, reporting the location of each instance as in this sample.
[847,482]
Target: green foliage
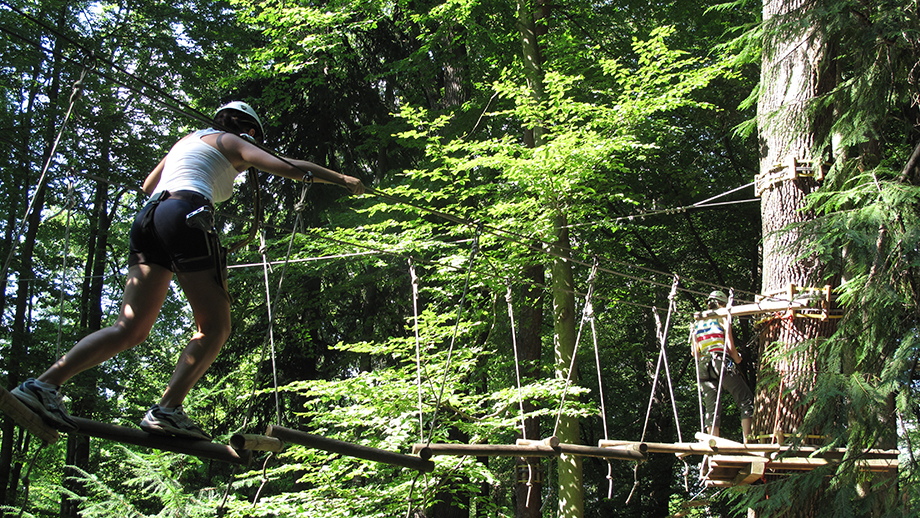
[428,103]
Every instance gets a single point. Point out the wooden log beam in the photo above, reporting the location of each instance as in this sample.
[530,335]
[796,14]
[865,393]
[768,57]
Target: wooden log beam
[352,450]
[799,463]
[198,448]
[759,308]
[750,473]
[26,418]
[255,442]
[537,449]
[525,449]
[715,446]
[604,453]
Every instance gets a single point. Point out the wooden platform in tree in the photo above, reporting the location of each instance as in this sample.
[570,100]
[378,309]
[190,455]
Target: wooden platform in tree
[723,469]
[728,463]
[760,308]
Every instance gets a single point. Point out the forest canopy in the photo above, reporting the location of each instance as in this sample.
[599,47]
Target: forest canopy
[553,192]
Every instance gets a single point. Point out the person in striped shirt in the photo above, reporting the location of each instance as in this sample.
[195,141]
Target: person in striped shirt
[717,359]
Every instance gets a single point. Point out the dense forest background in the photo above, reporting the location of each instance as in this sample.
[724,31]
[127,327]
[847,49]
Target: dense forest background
[581,165]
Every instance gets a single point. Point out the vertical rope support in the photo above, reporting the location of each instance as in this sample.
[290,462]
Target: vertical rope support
[418,350]
[68,206]
[568,378]
[517,372]
[453,340]
[672,306]
[662,334]
[589,313]
[517,364]
[269,307]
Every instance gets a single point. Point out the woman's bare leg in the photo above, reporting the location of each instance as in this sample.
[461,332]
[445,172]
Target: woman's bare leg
[145,292]
[211,308]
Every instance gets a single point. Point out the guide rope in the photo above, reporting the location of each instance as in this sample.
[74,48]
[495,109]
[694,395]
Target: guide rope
[75,95]
[568,380]
[450,351]
[520,391]
[715,413]
[662,335]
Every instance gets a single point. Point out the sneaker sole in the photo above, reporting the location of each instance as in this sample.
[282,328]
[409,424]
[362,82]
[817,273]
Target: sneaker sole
[172,432]
[38,409]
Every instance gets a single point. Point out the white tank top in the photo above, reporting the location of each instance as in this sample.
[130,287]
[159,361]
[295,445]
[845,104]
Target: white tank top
[193,165]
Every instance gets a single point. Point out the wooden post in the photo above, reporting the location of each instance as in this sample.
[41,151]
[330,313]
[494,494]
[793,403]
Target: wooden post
[198,448]
[349,449]
[248,441]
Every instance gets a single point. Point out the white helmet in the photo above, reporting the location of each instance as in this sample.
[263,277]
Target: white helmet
[245,108]
[718,295]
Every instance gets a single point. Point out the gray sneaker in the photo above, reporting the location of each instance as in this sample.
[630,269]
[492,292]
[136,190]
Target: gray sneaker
[48,404]
[176,423]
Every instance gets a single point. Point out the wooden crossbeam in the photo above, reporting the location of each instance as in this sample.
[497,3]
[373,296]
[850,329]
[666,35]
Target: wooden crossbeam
[198,448]
[26,418]
[758,308]
[605,453]
[798,463]
[346,448]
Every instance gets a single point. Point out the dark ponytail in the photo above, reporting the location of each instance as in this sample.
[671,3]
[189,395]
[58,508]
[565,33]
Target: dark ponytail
[237,122]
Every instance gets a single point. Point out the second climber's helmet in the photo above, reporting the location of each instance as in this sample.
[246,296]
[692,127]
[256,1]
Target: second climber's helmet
[240,106]
[719,296]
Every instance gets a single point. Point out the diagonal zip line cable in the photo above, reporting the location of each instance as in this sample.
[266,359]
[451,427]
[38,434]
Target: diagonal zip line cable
[566,253]
[74,96]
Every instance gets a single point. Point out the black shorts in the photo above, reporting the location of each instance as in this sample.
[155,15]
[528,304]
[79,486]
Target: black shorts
[166,239]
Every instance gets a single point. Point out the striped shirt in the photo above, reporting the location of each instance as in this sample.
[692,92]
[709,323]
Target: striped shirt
[709,336]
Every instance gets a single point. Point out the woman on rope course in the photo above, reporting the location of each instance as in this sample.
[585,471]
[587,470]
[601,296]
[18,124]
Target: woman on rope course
[174,234]
[713,347]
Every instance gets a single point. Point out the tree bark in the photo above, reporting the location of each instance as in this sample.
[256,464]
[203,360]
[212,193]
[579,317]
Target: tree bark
[571,488]
[793,73]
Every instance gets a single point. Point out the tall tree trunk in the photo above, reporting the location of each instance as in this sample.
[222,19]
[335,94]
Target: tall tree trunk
[571,488]
[793,73]
[19,338]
